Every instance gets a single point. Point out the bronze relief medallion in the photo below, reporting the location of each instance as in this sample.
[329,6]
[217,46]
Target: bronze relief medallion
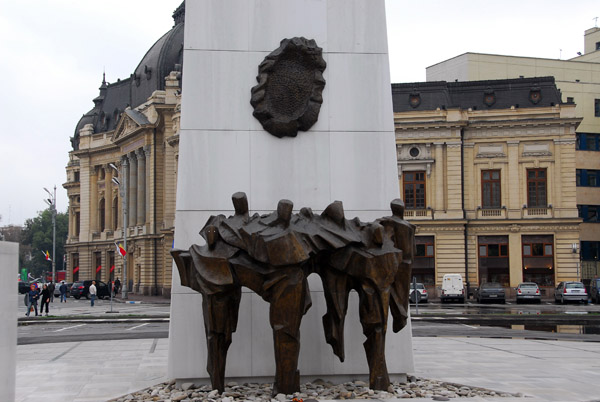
[288,95]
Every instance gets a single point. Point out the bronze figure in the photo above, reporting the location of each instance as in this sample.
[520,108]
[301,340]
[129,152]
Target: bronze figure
[273,255]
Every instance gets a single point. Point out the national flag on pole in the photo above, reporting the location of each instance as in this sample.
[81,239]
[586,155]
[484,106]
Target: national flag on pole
[76,269]
[112,268]
[120,249]
[47,255]
[98,268]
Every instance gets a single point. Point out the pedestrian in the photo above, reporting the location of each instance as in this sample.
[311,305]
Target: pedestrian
[63,292]
[45,299]
[117,286]
[51,288]
[34,295]
[92,291]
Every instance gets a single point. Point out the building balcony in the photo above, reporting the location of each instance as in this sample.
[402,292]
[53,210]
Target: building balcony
[538,212]
[419,214]
[491,213]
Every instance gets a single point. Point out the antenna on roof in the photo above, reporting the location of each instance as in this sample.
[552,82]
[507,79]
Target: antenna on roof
[103,75]
[595,22]
[560,55]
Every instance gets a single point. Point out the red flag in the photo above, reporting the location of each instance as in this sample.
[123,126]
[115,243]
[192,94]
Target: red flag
[76,269]
[98,268]
[112,268]
[47,255]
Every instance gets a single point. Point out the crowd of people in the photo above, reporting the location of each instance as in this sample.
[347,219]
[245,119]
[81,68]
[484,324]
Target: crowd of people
[46,295]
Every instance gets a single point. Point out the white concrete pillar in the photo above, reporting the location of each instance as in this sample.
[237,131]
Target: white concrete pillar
[9,264]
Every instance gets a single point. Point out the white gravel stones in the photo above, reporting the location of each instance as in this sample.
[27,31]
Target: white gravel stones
[309,392]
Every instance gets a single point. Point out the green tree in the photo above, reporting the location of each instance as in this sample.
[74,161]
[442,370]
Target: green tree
[37,235]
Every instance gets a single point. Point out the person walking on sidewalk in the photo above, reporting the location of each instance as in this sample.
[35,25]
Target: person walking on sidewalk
[93,292]
[34,295]
[51,288]
[117,286]
[63,292]
[45,299]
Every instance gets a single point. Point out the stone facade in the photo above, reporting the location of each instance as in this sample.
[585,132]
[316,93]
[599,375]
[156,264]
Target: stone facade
[578,80]
[115,145]
[490,188]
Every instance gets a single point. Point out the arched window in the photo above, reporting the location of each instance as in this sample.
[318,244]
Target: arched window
[101,214]
[115,212]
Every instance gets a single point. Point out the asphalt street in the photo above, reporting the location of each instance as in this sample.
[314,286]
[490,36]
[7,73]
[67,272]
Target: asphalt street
[77,321]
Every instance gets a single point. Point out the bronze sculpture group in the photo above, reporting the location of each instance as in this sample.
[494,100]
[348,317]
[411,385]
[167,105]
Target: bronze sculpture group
[273,255]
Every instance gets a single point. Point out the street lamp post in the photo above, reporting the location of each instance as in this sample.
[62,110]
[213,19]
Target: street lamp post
[123,192]
[52,204]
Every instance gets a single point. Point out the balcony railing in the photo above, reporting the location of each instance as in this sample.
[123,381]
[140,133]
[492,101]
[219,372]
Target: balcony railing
[491,213]
[537,212]
[418,214]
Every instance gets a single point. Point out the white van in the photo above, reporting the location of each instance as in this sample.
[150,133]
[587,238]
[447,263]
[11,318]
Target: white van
[452,288]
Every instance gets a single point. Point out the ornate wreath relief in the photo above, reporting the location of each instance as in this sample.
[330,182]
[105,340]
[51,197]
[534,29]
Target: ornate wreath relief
[288,95]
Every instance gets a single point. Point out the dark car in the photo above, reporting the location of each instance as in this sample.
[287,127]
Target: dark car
[490,291]
[595,290]
[23,287]
[82,289]
[57,289]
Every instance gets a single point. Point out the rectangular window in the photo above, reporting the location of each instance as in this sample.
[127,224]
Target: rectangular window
[587,178]
[490,189]
[414,190]
[493,259]
[98,265]
[536,188]
[75,266]
[587,142]
[589,213]
[538,259]
[590,250]
[423,267]
[597,107]
[570,99]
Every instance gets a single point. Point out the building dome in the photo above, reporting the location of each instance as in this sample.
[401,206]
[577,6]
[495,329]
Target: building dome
[164,56]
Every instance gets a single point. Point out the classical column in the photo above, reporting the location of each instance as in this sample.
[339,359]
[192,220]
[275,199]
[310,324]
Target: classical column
[108,198]
[141,187]
[438,204]
[123,180]
[149,174]
[132,184]
[93,208]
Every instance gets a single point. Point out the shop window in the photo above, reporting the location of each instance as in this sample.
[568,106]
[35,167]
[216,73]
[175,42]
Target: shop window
[493,259]
[536,188]
[490,189]
[414,190]
[423,268]
[538,259]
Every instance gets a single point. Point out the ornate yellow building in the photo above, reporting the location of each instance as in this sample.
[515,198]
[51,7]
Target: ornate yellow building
[487,172]
[130,135]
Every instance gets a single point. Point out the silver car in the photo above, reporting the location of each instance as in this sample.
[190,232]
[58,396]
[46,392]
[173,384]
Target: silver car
[423,295]
[570,291]
[528,291]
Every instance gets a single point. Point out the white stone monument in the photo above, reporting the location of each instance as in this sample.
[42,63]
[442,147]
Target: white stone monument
[9,264]
[348,155]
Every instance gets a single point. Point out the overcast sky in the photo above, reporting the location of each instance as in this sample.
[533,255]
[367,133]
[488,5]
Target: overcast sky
[54,53]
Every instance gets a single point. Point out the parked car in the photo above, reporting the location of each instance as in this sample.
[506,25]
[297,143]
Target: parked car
[82,289]
[528,291]
[570,291]
[57,289]
[490,291]
[452,288]
[423,297]
[595,290]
